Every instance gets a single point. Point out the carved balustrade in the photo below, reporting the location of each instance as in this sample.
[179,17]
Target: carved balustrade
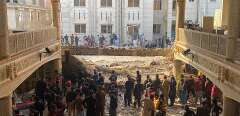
[211,42]
[20,42]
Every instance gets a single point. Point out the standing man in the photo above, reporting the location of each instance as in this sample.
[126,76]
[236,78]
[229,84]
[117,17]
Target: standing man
[165,85]
[40,89]
[199,89]
[95,76]
[62,39]
[72,39]
[113,104]
[138,92]
[66,39]
[100,79]
[113,77]
[139,77]
[172,91]
[157,85]
[90,104]
[76,41]
[129,85]
[100,101]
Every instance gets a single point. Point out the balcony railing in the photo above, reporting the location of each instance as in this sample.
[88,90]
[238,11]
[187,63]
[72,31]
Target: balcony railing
[211,42]
[19,42]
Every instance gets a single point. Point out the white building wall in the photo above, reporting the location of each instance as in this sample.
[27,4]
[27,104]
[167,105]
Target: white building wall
[199,8]
[147,19]
[120,15]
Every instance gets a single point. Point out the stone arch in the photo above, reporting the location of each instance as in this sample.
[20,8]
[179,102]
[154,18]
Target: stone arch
[12,85]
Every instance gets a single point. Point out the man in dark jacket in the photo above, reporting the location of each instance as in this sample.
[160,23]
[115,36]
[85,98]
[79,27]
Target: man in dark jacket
[139,76]
[95,76]
[157,85]
[40,88]
[39,106]
[129,85]
[113,105]
[113,77]
[100,101]
[172,91]
[138,92]
[90,105]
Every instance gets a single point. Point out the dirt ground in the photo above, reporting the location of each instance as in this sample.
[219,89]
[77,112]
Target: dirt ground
[124,65]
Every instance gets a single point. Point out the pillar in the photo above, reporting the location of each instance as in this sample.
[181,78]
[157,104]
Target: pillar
[231,8]
[56,17]
[6,106]
[4,52]
[230,107]
[57,65]
[180,16]
[178,69]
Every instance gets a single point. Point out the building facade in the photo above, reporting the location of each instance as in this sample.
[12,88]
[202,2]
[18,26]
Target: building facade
[154,20]
[129,19]
[29,43]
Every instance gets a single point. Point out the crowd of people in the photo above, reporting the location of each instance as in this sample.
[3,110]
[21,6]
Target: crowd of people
[90,41]
[87,96]
[113,40]
[199,92]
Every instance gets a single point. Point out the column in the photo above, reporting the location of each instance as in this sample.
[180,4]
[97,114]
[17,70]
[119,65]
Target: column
[57,65]
[56,17]
[230,107]
[6,106]
[180,16]
[231,8]
[178,68]
[4,52]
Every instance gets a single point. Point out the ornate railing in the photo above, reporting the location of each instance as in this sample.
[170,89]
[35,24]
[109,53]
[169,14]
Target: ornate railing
[19,42]
[3,73]
[211,42]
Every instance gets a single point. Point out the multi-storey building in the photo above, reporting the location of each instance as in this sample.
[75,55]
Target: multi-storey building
[126,18]
[155,19]
[29,45]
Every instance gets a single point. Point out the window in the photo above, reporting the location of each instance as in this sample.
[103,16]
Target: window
[133,16]
[82,2]
[156,28]
[129,15]
[79,2]
[157,5]
[106,3]
[132,29]
[173,29]
[174,5]
[80,28]
[15,1]
[138,15]
[106,28]
[76,3]
[133,3]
